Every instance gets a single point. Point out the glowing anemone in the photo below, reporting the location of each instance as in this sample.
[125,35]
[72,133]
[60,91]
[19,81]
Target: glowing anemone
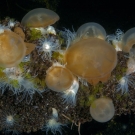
[47,46]
[52,124]
[92,59]
[12,49]
[39,17]
[125,82]
[102,109]
[91,30]
[115,39]
[69,95]
[8,119]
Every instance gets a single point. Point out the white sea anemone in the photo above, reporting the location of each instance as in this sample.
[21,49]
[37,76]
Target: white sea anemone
[52,124]
[11,23]
[2,28]
[115,39]
[47,46]
[8,119]
[69,95]
[28,89]
[11,79]
[69,36]
[51,30]
[124,83]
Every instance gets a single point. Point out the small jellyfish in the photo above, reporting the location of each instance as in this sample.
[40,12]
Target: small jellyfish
[59,78]
[92,59]
[12,49]
[91,29]
[39,17]
[102,109]
[128,40]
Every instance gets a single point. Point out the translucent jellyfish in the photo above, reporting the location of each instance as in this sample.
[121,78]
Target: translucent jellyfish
[102,109]
[92,59]
[128,40]
[12,49]
[39,17]
[91,30]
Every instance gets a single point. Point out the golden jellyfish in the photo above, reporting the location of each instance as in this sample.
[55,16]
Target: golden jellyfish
[91,29]
[59,78]
[102,109]
[128,40]
[12,49]
[39,17]
[92,59]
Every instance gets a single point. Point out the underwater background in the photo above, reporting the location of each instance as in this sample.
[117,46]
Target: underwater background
[111,15]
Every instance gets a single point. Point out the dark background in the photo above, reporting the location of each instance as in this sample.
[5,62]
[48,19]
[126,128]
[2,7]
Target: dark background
[111,15]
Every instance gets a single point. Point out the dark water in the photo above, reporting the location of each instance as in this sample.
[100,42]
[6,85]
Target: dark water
[111,15]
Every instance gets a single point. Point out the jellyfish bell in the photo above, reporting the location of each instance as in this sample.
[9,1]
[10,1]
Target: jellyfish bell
[39,17]
[91,29]
[59,78]
[128,40]
[102,109]
[92,59]
[12,49]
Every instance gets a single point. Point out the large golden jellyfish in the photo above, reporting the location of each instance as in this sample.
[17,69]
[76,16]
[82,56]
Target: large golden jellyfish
[102,109]
[12,49]
[91,58]
[39,17]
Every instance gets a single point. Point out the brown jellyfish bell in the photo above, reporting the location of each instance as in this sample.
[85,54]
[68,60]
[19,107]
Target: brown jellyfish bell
[92,59]
[12,49]
[128,40]
[91,29]
[39,17]
[102,109]
[59,78]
